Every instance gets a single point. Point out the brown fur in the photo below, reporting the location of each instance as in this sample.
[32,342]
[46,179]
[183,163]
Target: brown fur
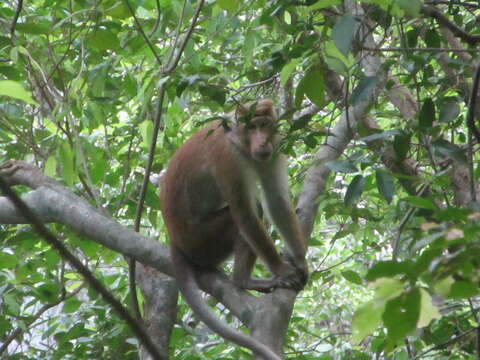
[209,204]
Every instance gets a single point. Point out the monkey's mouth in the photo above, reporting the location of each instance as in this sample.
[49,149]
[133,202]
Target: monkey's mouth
[262,155]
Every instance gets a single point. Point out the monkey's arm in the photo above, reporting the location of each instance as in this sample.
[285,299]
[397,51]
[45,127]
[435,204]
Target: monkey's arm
[281,210]
[244,214]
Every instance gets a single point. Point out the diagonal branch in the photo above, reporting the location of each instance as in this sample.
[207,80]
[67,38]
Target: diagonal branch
[52,202]
[454,28]
[15,18]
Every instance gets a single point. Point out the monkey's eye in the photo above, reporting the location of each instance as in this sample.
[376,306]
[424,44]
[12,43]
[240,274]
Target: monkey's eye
[263,123]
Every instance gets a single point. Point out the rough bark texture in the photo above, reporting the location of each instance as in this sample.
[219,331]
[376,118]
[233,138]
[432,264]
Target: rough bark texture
[160,309]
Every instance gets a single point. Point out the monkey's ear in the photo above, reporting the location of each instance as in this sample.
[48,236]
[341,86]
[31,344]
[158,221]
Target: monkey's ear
[245,112]
[241,110]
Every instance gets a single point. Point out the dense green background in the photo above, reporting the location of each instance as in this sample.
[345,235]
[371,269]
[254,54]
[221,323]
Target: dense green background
[396,226]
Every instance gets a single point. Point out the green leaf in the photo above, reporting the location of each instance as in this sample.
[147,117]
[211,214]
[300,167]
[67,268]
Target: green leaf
[8,261]
[401,145]
[450,150]
[67,161]
[15,90]
[428,311]
[300,123]
[401,315]
[352,276]
[452,214]
[89,248]
[48,292]
[215,93]
[71,305]
[13,306]
[230,5]
[427,114]
[310,141]
[335,60]
[449,110]
[104,39]
[412,37]
[51,167]
[287,70]
[364,90]
[146,130]
[463,290]
[410,7]
[386,288]
[249,46]
[51,258]
[344,32]
[341,166]
[432,39]
[313,86]
[118,11]
[36,28]
[420,202]
[388,268]
[354,190]
[367,319]
[443,286]
[385,185]
[322,4]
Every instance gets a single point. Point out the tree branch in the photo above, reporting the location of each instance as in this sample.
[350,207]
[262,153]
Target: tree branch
[15,18]
[40,228]
[454,28]
[52,202]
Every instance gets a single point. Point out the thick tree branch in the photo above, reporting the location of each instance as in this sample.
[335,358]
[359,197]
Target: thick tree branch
[75,263]
[454,28]
[52,202]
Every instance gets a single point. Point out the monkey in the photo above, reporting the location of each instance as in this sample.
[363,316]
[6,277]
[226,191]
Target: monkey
[209,204]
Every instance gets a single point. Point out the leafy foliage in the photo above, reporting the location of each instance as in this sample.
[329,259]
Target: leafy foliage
[395,249]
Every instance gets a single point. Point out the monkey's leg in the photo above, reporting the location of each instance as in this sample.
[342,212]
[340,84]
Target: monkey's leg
[243,266]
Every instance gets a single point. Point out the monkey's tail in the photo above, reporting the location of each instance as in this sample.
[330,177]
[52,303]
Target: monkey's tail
[185,274]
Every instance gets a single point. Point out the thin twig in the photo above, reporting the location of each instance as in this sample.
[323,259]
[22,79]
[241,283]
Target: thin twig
[15,18]
[446,343]
[157,22]
[177,33]
[172,66]
[402,49]
[450,2]
[472,131]
[141,200]
[146,180]
[142,32]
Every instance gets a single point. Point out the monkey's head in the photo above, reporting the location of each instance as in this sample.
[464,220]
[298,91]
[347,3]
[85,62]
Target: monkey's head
[256,128]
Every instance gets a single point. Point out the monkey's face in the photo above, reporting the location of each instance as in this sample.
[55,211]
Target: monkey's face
[260,133]
[256,125]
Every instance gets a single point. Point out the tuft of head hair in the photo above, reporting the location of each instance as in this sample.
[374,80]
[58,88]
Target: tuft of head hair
[261,107]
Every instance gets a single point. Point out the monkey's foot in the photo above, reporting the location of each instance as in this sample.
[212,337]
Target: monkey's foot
[295,281]
[295,277]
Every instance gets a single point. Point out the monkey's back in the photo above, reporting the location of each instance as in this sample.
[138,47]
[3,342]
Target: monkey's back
[193,207]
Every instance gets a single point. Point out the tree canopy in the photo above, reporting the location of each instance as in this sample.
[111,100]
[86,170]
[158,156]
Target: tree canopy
[373,97]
